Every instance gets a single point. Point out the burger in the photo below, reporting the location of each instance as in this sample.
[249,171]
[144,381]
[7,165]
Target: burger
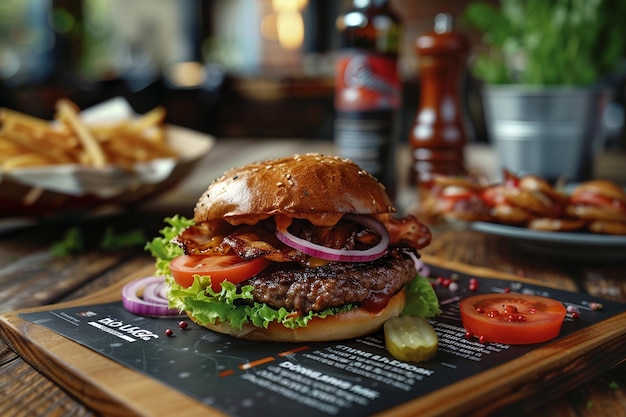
[300,248]
[601,204]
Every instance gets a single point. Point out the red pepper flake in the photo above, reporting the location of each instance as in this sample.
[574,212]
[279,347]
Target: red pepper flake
[595,306]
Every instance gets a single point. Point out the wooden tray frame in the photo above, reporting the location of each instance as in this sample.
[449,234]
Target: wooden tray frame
[521,384]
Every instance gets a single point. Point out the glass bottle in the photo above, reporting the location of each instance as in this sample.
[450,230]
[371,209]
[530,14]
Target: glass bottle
[368,88]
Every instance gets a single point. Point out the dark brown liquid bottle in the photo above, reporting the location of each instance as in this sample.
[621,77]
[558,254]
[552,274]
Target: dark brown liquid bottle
[438,136]
[367,88]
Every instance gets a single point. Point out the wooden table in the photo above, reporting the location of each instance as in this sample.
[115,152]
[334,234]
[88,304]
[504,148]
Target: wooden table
[31,276]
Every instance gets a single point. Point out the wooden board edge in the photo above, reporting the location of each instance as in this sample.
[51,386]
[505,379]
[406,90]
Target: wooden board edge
[545,372]
[131,394]
[515,379]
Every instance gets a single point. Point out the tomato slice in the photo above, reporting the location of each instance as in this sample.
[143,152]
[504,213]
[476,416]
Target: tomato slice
[512,318]
[220,268]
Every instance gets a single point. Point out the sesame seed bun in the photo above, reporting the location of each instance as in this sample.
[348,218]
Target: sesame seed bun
[315,187]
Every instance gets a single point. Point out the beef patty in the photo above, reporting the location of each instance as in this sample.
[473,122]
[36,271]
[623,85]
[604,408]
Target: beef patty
[303,289]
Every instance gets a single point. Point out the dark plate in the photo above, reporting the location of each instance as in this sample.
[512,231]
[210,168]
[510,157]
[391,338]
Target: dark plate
[563,245]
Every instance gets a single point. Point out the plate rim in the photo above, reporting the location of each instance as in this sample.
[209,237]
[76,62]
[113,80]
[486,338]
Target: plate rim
[567,238]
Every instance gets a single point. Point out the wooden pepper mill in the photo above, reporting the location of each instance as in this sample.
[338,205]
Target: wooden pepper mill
[438,134]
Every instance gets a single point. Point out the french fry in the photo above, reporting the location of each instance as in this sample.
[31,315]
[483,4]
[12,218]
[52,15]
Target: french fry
[25,160]
[39,147]
[7,115]
[29,141]
[153,118]
[67,112]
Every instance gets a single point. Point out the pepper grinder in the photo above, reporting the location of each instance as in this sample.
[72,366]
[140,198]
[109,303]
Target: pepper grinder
[438,136]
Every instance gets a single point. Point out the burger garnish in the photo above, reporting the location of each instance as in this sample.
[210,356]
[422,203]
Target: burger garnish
[598,206]
[303,248]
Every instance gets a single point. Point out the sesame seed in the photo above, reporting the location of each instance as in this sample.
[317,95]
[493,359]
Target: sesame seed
[268,167]
[279,184]
[288,175]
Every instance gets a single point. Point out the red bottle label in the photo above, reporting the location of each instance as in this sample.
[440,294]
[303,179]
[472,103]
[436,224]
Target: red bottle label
[365,82]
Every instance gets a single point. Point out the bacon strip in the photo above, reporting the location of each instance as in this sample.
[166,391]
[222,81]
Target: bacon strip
[259,240]
[408,231]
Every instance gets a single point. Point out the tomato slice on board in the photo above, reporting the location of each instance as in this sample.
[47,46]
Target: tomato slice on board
[512,318]
[220,268]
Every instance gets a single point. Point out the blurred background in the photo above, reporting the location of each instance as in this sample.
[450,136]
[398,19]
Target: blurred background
[225,67]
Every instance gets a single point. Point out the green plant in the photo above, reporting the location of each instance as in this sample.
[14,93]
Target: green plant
[548,42]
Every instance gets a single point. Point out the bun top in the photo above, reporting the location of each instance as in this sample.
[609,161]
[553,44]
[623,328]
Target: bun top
[315,187]
[601,187]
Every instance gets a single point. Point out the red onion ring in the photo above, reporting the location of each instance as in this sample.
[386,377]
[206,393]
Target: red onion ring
[420,266]
[152,292]
[340,255]
[151,303]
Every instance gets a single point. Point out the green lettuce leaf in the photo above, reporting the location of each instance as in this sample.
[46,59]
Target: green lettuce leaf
[421,299]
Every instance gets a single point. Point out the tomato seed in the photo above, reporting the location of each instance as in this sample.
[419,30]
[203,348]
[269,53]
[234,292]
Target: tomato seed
[507,290]
[510,309]
[575,315]
[469,335]
[480,309]
[493,313]
[482,339]
[169,332]
[182,324]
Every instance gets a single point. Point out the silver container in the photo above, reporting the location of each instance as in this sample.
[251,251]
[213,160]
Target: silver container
[549,132]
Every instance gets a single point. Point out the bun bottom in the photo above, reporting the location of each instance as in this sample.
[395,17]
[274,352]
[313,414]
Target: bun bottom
[346,325]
